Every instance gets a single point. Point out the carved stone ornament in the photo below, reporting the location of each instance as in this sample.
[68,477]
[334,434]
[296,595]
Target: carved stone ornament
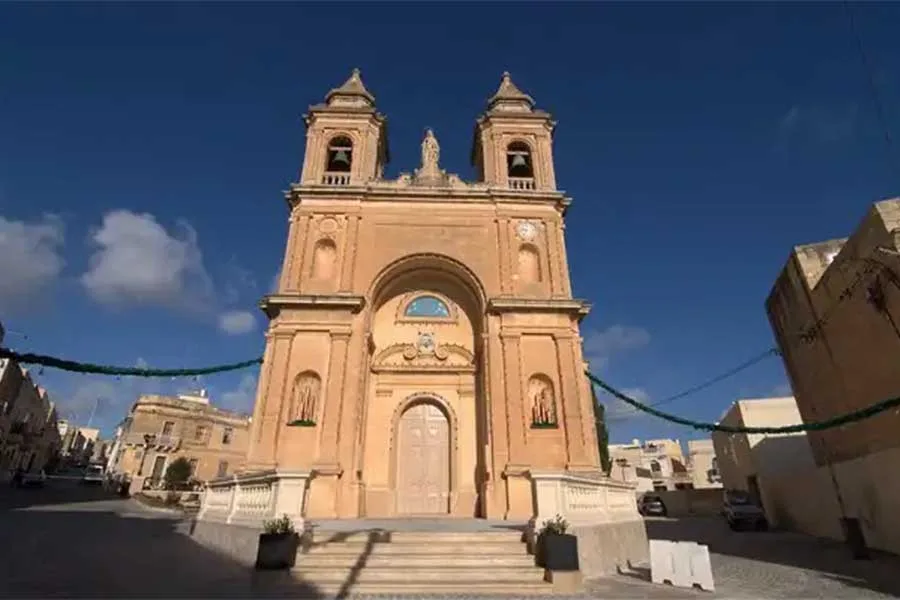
[526,230]
[328,225]
[426,343]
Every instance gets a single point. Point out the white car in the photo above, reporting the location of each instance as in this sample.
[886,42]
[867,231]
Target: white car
[93,475]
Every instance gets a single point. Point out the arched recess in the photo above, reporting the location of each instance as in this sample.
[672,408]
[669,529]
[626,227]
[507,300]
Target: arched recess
[425,453]
[542,401]
[324,259]
[451,281]
[305,399]
[339,158]
[529,264]
[519,160]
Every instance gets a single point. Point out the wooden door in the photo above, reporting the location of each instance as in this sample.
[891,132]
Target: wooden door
[423,461]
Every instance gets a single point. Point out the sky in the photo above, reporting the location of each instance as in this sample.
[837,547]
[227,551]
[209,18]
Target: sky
[144,148]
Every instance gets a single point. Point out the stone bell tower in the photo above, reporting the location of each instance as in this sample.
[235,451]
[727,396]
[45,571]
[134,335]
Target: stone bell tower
[513,142]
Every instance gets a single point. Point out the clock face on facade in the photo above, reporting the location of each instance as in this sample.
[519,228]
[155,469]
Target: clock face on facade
[527,230]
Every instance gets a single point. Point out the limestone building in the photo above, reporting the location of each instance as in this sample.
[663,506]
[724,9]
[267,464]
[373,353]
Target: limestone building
[835,309]
[160,429]
[703,465]
[654,464]
[423,355]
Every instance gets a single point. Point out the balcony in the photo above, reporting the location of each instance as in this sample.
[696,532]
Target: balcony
[521,183]
[161,443]
[336,179]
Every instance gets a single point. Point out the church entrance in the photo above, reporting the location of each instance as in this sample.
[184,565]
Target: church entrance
[423,461]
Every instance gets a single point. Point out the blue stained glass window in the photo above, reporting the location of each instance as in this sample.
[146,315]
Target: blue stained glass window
[427,306]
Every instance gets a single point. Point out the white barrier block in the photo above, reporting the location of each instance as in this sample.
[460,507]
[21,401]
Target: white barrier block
[681,564]
[662,561]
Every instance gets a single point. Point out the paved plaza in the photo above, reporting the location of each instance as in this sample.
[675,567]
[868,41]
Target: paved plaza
[74,542]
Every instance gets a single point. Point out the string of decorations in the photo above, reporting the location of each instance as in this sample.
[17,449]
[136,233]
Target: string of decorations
[838,421]
[79,367]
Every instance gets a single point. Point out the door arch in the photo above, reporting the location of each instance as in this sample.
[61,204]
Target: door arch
[423,459]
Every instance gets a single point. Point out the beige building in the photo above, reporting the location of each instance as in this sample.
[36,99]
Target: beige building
[703,465]
[423,355]
[653,465]
[848,362]
[159,429]
[29,438]
[750,462]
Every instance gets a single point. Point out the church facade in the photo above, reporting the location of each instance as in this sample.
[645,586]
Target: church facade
[423,356]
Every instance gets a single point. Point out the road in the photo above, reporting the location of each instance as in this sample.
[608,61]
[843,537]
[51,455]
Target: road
[69,541]
[781,564]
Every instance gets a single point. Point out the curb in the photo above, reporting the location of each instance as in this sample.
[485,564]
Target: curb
[157,509]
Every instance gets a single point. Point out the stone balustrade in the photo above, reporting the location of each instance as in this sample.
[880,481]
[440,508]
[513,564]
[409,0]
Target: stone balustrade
[581,500]
[521,183]
[251,498]
[336,179]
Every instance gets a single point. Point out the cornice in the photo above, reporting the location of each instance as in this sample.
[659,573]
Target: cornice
[272,305]
[574,307]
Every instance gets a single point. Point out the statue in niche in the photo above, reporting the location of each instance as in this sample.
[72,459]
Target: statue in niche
[431,153]
[543,406]
[306,397]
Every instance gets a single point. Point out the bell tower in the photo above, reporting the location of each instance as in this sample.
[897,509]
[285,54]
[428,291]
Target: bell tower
[513,142]
[346,138]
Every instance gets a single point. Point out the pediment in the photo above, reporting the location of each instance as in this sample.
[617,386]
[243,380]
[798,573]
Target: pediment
[410,357]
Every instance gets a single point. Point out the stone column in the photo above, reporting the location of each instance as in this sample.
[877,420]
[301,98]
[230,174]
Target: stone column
[270,396]
[572,403]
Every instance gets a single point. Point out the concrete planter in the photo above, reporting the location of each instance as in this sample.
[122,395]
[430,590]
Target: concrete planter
[557,552]
[277,550]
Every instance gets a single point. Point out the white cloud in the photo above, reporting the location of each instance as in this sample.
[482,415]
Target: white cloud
[600,346]
[104,395]
[137,261]
[30,260]
[237,322]
[782,390]
[242,397]
[817,124]
[619,410]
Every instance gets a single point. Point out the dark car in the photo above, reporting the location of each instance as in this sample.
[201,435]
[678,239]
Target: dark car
[652,505]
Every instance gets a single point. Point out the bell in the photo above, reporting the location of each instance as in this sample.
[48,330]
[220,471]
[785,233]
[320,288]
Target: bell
[341,157]
[519,160]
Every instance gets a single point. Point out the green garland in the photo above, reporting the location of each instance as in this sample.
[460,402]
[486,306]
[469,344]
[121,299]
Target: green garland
[852,417]
[77,367]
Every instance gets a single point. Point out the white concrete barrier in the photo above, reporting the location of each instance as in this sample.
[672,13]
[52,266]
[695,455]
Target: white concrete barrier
[681,564]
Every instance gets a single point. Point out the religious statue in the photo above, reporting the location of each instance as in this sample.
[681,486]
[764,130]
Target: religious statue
[306,395]
[431,152]
[543,408]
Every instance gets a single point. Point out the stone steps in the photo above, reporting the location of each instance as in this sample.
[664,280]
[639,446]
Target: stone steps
[420,562]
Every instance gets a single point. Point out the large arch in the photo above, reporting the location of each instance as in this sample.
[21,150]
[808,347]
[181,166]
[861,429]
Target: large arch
[455,388]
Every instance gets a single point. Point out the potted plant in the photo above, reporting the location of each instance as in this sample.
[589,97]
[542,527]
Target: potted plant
[278,544]
[557,550]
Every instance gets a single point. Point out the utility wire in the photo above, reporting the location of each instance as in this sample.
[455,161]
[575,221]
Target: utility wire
[869,69]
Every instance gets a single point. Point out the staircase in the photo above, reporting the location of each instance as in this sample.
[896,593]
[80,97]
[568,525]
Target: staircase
[419,562]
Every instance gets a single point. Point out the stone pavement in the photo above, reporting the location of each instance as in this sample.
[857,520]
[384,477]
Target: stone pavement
[74,542]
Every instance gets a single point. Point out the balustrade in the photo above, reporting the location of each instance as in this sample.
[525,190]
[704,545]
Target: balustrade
[336,179]
[521,183]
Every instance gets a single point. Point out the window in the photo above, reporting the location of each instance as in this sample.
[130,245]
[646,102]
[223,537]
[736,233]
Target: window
[168,428]
[226,435]
[340,155]
[427,307]
[654,466]
[518,160]
[200,433]
[222,471]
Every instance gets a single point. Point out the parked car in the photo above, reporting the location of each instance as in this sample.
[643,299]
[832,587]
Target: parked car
[93,475]
[741,511]
[652,505]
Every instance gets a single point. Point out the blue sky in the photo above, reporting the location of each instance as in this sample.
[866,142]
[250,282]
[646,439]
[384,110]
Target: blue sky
[144,148]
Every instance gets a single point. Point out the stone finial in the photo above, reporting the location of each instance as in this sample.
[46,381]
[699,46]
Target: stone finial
[509,96]
[351,91]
